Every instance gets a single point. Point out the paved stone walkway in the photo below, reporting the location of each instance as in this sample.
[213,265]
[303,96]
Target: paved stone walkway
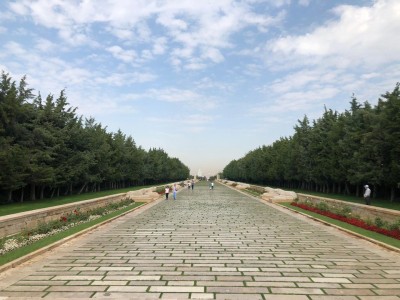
[216,244]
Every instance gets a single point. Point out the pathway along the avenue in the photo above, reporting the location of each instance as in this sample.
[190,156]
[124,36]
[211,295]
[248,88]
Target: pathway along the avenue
[218,244]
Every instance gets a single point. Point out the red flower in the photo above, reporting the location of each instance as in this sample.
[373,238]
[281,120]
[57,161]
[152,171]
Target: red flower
[395,233]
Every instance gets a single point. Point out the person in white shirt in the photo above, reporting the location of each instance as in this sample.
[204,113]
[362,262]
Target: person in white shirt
[367,195]
[166,192]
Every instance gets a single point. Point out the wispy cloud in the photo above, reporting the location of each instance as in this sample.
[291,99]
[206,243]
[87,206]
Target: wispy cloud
[194,123]
[127,56]
[197,31]
[358,36]
[188,98]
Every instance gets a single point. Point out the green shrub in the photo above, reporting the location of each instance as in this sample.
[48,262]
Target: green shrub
[160,189]
[345,211]
[43,227]
[2,242]
[395,226]
[379,222]
[322,206]
[97,211]
[369,222]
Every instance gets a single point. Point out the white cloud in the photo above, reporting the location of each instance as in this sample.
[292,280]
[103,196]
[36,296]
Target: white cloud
[213,54]
[44,45]
[186,97]
[122,33]
[193,30]
[209,83]
[125,79]
[359,36]
[176,95]
[127,56]
[303,100]
[328,64]
[159,46]
[276,3]
[281,107]
[304,2]
[194,123]
[304,79]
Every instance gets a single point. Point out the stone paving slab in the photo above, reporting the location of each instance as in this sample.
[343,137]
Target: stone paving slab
[218,244]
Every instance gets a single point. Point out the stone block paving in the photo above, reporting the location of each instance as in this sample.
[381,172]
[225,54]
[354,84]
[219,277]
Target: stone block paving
[218,244]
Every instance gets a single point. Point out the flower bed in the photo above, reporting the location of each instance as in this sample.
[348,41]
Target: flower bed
[393,232]
[29,236]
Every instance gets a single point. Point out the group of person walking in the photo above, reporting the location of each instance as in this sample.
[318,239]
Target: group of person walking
[167,191]
[190,186]
[175,189]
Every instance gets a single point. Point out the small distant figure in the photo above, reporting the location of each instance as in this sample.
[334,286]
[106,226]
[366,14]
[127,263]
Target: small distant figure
[212,185]
[367,195]
[192,184]
[174,191]
[189,185]
[166,192]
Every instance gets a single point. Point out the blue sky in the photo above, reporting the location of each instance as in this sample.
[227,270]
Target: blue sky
[207,81]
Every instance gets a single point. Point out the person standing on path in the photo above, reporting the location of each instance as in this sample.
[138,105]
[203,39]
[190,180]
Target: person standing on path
[166,192]
[367,195]
[192,184]
[174,191]
[212,185]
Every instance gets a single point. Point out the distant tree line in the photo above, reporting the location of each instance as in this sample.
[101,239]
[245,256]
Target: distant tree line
[337,153]
[46,150]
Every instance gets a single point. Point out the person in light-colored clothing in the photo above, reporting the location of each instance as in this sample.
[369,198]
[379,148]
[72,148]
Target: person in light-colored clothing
[367,195]
[174,191]
[166,192]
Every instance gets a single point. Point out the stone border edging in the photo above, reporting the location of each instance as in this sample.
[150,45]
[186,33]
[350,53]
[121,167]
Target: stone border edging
[382,244]
[20,260]
[14,223]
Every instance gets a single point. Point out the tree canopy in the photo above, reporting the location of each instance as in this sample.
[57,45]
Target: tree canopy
[47,150]
[339,152]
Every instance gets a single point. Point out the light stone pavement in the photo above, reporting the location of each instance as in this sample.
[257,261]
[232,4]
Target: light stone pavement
[218,244]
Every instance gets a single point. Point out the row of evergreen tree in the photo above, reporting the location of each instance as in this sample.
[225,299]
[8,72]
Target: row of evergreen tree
[337,153]
[47,150]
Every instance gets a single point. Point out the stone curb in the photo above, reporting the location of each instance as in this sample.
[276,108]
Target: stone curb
[382,244]
[18,261]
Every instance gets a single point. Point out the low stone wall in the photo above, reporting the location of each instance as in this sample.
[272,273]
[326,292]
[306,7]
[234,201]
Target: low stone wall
[364,211]
[15,223]
[257,188]
[268,194]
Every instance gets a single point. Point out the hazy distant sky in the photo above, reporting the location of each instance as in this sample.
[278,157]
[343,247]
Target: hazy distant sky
[207,81]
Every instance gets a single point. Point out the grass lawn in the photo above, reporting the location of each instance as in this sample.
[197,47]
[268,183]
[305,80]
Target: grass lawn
[384,203]
[370,234]
[17,253]
[13,208]
[253,193]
